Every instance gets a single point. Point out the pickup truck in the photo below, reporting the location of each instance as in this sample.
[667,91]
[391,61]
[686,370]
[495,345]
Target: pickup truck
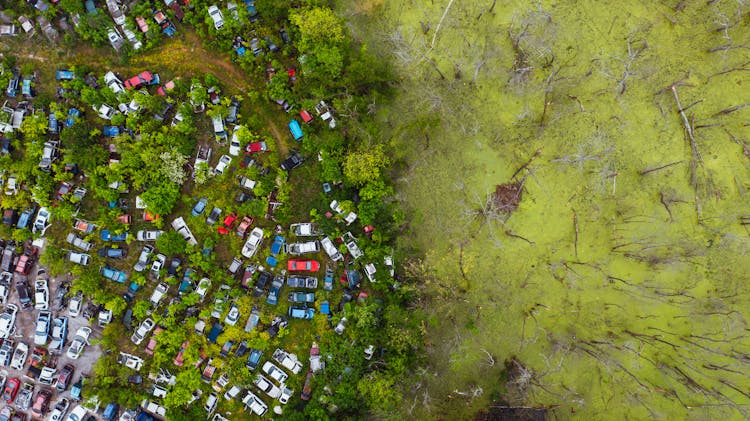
[181,227]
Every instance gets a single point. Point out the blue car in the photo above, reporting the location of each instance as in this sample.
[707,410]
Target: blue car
[301,312]
[273,294]
[111,131]
[186,285]
[113,274]
[253,359]
[130,294]
[107,236]
[276,248]
[53,128]
[72,115]
[64,75]
[199,207]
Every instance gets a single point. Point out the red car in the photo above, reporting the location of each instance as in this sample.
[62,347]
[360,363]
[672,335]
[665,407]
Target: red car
[141,80]
[25,262]
[303,265]
[307,388]
[229,221]
[165,88]
[244,225]
[11,388]
[306,117]
[41,403]
[152,343]
[256,147]
[179,360]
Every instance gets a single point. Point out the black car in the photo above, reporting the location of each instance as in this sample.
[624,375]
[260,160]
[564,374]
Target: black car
[112,253]
[260,285]
[284,35]
[24,295]
[59,301]
[242,197]
[241,349]
[294,161]
[347,297]
[174,266]
[10,217]
[127,319]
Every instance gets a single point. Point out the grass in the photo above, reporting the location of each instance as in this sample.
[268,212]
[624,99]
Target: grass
[603,260]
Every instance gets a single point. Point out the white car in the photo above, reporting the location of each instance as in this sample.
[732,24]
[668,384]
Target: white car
[252,401]
[305,229]
[143,329]
[275,372]
[142,262]
[349,218]
[74,306]
[114,83]
[19,356]
[203,286]
[80,341]
[217,17]
[270,389]
[287,360]
[233,315]
[130,361]
[234,144]
[78,258]
[211,403]
[106,112]
[41,332]
[8,321]
[252,243]
[158,265]
[331,250]
[41,294]
[42,221]
[303,248]
[148,235]
[286,394]
[58,412]
[78,414]
[223,164]
[158,294]
[115,39]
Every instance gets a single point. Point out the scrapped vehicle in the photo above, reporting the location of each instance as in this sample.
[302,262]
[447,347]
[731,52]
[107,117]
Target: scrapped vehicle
[302,297]
[78,258]
[59,333]
[18,360]
[6,281]
[308,282]
[113,274]
[275,372]
[303,248]
[265,385]
[24,295]
[80,340]
[252,243]
[42,329]
[301,312]
[78,242]
[143,329]
[8,321]
[148,235]
[41,293]
[306,229]
[273,293]
[233,315]
[63,380]
[59,410]
[255,404]
[142,262]
[253,359]
[287,360]
[303,265]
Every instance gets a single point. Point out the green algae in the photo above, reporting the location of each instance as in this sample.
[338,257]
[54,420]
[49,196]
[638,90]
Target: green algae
[620,288]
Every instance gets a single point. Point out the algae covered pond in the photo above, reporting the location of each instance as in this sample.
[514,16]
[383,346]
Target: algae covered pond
[618,287]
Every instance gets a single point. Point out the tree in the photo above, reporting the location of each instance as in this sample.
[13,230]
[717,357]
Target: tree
[161,198]
[364,166]
[173,166]
[171,243]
